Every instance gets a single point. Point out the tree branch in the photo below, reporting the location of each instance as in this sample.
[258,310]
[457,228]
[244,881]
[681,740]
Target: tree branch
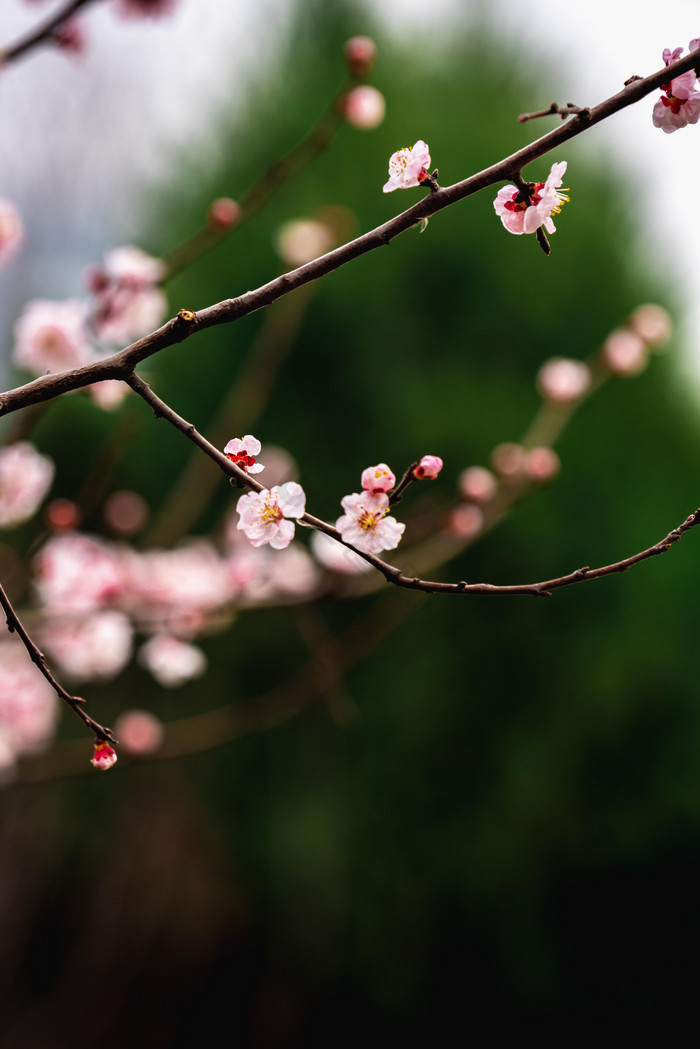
[44,34]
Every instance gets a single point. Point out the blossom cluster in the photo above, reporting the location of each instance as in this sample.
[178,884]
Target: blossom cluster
[522,212]
[679,104]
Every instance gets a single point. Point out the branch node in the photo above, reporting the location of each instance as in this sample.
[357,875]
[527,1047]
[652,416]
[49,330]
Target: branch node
[186,315]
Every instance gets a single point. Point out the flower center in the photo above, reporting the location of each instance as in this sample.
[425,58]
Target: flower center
[369,520]
[241,459]
[270,511]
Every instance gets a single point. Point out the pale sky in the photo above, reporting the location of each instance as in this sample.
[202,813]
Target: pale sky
[106,161]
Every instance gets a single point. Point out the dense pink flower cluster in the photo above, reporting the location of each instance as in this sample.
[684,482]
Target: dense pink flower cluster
[28,705]
[128,302]
[519,215]
[679,104]
[11,231]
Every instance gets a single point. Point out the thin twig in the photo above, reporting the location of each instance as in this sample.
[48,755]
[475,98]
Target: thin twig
[186,323]
[37,657]
[569,110]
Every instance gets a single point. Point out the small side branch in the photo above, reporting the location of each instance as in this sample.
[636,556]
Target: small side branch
[44,34]
[14,625]
[569,110]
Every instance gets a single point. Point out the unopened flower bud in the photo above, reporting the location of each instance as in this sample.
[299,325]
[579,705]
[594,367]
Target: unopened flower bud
[62,515]
[303,240]
[428,468]
[104,756]
[542,464]
[510,461]
[224,213]
[624,353]
[652,323]
[71,36]
[363,107]
[563,381]
[465,521]
[477,484]
[359,53]
[139,731]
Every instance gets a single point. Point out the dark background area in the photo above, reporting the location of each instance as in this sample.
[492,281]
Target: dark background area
[504,820]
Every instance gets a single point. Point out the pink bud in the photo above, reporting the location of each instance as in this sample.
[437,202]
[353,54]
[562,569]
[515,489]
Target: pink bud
[139,731]
[359,53]
[509,460]
[652,323]
[624,353]
[378,478]
[363,107]
[563,381]
[125,512]
[71,36]
[104,756]
[224,214]
[428,468]
[62,515]
[542,464]
[477,484]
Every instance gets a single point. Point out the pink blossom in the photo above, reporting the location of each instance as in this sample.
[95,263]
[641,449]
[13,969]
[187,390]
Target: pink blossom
[172,662]
[477,484]
[51,337]
[365,524]
[428,468]
[378,478]
[242,452]
[25,478]
[108,394]
[360,52]
[520,216]
[624,353]
[11,231]
[652,323]
[71,36]
[95,647]
[465,521]
[144,8]
[302,240]
[28,708]
[542,464]
[104,756]
[224,213]
[364,107]
[679,105]
[408,167]
[264,515]
[76,573]
[128,302]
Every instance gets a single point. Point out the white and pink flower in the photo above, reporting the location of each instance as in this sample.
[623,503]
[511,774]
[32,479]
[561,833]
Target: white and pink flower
[28,708]
[76,573]
[242,451]
[265,516]
[51,337]
[365,524]
[364,107]
[679,105]
[11,231]
[408,167]
[95,647]
[520,215]
[378,478]
[25,478]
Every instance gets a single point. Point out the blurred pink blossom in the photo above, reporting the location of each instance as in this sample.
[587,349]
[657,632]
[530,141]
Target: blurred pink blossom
[477,484]
[360,53]
[365,524]
[172,662]
[652,323]
[77,573]
[28,706]
[408,167]
[11,231]
[25,478]
[520,216]
[224,213]
[51,337]
[624,353]
[563,381]
[465,521]
[95,647]
[139,732]
[336,557]
[264,516]
[128,302]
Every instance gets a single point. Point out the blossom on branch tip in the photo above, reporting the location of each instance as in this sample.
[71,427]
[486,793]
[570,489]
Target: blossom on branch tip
[378,478]
[408,167]
[264,515]
[428,468]
[11,231]
[679,105]
[242,452]
[104,756]
[520,215]
[365,524]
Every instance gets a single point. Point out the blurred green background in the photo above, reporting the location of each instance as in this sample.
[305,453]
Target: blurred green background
[495,812]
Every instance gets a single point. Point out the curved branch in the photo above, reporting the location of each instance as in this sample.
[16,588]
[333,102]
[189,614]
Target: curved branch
[44,34]
[187,322]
